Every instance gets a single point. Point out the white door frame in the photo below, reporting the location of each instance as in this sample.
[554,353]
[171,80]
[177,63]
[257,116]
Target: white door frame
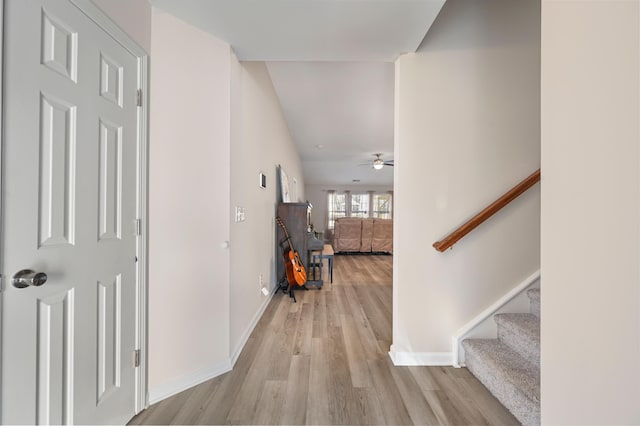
[106,24]
[2,280]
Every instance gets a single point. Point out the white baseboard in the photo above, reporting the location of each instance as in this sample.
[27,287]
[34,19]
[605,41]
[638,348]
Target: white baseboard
[180,384]
[247,332]
[190,380]
[420,358]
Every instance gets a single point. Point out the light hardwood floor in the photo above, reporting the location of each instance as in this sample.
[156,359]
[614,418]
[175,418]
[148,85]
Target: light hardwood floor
[324,360]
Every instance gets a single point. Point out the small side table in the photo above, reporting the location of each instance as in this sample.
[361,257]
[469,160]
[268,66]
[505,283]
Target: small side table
[326,253]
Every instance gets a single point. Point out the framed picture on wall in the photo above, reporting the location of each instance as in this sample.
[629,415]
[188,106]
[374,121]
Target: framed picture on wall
[284,186]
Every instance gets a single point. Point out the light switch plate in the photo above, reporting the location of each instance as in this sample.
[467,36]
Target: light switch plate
[240,214]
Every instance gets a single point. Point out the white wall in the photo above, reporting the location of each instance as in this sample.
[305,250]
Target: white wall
[133,16]
[188,205]
[590,212]
[467,130]
[215,124]
[317,195]
[260,142]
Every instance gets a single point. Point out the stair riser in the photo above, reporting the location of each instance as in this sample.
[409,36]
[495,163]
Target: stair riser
[523,408]
[522,344]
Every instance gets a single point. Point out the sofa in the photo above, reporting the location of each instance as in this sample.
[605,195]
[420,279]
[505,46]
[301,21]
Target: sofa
[363,235]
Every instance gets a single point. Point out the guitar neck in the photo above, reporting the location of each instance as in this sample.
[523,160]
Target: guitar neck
[286,234]
[290,245]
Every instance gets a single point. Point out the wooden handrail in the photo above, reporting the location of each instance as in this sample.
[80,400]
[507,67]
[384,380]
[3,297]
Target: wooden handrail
[485,214]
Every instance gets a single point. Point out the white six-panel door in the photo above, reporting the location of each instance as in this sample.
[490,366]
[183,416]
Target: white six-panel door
[69,210]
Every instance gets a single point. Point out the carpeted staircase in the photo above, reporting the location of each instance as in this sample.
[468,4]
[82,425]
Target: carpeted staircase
[509,366]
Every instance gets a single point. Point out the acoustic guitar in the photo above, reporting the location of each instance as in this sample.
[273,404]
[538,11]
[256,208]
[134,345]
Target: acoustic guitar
[296,274]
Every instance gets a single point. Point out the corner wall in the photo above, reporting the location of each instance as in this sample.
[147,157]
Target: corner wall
[260,142]
[467,130]
[189,214]
[590,212]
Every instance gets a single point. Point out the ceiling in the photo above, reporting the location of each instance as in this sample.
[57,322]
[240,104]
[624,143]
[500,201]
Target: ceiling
[331,63]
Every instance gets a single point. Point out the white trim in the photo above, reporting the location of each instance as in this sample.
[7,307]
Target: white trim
[1,181]
[463,331]
[176,386]
[94,13]
[180,384]
[420,358]
[105,23]
[254,321]
[395,308]
[142,250]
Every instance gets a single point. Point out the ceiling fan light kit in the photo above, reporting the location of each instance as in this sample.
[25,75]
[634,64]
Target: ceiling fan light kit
[378,163]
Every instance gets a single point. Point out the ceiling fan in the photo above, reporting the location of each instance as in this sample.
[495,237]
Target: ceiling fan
[379,163]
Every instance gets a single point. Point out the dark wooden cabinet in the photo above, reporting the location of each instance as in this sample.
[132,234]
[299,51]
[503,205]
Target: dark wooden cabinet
[296,217]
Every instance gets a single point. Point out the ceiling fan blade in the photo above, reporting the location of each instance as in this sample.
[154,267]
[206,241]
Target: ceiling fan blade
[382,162]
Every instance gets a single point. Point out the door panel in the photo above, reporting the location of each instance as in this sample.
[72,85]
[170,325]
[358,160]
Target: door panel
[110,195]
[69,207]
[109,337]
[59,47]
[54,372]
[57,172]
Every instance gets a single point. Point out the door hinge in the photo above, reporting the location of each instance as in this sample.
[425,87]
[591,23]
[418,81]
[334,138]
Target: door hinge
[138,226]
[136,358]
[139,98]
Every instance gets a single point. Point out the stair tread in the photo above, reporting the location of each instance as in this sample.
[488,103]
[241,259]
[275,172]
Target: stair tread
[507,365]
[528,325]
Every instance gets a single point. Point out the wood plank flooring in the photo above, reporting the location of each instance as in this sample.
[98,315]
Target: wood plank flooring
[324,360]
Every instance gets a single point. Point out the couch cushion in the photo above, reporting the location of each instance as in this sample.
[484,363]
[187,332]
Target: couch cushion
[348,234]
[382,239]
[367,235]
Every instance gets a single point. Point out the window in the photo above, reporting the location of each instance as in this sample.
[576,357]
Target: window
[345,204]
[337,207]
[360,205]
[382,204]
